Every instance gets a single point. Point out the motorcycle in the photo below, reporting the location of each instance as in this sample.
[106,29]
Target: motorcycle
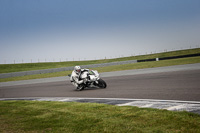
[92,79]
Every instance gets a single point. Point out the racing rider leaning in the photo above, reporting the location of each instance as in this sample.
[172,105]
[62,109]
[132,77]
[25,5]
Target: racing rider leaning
[75,77]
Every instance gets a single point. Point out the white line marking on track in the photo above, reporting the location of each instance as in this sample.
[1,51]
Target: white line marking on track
[178,107]
[147,106]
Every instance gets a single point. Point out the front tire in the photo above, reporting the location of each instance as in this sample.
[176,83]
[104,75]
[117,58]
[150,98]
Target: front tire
[102,83]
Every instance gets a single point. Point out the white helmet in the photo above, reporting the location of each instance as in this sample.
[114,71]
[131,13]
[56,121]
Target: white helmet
[77,69]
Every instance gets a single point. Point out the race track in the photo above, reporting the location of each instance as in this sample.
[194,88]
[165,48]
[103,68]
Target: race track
[170,85]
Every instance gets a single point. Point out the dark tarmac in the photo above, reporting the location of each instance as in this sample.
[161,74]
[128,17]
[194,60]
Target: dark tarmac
[176,85]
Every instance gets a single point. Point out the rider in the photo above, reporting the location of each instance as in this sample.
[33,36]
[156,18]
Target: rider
[75,77]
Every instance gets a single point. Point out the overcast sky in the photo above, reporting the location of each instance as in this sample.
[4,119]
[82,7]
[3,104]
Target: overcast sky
[55,30]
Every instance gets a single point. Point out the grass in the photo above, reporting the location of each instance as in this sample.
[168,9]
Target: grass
[152,64]
[140,65]
[7,68]
[43,116]
[38,116]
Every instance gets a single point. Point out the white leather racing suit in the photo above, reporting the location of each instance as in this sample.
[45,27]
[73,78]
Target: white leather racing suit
[75,78]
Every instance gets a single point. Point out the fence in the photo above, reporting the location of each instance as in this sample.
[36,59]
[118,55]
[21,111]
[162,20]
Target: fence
[15,61]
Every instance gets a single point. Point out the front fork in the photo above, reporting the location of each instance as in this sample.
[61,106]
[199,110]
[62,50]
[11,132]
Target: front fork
[97,81]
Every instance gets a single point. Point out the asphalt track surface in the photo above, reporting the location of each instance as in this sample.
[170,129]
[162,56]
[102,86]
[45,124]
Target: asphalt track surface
[165,84]
[170,85]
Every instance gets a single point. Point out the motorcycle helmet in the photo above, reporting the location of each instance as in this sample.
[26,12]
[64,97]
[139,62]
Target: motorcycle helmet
[77,69]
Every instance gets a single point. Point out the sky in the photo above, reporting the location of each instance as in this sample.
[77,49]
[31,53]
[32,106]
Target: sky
[67,30]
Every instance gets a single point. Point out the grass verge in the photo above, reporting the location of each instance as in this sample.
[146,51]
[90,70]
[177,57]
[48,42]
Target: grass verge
[37,116]
[140,65]
[7,68]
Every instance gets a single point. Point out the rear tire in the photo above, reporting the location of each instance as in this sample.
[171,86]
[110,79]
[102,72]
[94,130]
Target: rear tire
[102,83]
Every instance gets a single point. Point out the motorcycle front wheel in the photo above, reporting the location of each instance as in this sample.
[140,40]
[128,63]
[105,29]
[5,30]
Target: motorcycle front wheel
[102,83]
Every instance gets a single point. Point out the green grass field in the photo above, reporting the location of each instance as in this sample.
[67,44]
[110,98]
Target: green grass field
[36,66]
[7,68]
[70,117]
[140,65]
